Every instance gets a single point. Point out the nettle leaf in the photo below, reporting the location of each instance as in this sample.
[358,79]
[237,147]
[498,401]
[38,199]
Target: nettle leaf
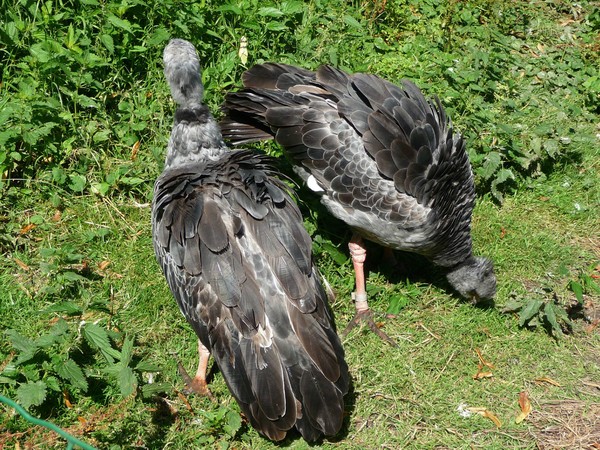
[145,366]
[150,389]
[531,309]
[513,305]
[120,23]
[490,165]
[68,308]
[160,35]
[577,289]
[31,394]
[270,12]
[20,342]
[77,182]
[549,312]
[397,303]
[127,381]
[108,42]
[352,22]
[54,335]
[71,276]
[97,337]
[127,351]
[70,371]
[233,423]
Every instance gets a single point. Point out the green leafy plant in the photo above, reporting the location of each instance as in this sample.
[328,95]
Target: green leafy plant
[534,312]
[57,362]
[585,284]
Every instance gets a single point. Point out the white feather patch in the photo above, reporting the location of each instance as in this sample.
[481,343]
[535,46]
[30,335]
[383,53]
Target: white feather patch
[313,184]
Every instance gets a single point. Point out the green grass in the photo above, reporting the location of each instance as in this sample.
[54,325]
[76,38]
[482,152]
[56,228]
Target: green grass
[84,119]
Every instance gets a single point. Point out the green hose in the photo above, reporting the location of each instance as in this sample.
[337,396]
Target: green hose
[71,441]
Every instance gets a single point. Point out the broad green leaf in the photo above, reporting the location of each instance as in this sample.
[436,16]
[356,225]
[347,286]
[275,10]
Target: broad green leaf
[131,181]
[108,42]
[529,311]
[577,289]
[551,318]
[97,337]
[77,182]
[292,7]
[159,36]
[276,26]
[513,305]
[490,165]
[397,303]
[54,335]
[53,384]
[127,351]
[6,380]
[352,22]
[150,389]
[20,342]
[333,251]
[70,371]
[120,23]
[71,276]
[270,12]
[233,424]
[31,394]
[145,366]
[68,308]
[590,284]
[127,381]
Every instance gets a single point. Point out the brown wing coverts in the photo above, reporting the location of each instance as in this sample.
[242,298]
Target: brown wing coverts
[237,258]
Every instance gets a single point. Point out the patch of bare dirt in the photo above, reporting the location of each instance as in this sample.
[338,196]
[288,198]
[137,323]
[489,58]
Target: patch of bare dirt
[566,424]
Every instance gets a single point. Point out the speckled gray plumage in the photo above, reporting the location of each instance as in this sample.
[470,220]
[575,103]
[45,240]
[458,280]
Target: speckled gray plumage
[233,249]
[385,159]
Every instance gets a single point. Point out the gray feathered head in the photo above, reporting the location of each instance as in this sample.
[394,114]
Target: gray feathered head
[182,71]
[474,279]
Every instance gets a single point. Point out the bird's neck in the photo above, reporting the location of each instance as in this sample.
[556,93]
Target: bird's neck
[195,137]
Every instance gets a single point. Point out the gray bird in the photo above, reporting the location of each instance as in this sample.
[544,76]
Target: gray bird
[383,158]
[231,243]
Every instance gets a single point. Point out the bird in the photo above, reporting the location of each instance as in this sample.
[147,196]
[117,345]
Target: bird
[231,243]
[383,159]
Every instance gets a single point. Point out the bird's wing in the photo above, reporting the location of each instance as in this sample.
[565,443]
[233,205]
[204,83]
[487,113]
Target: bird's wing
[321,124]
[236,256]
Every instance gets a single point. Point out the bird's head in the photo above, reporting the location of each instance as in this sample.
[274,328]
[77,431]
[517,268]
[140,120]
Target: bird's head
[474,279]
[182,70]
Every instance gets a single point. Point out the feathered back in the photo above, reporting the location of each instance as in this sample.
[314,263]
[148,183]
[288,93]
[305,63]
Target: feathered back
[383,150]
[230,241]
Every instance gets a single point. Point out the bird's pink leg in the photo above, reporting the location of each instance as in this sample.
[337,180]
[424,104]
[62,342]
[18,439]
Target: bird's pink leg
[363,313]
[198,384]
[359,255]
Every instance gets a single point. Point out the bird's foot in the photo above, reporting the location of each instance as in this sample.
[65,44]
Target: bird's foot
[196,385]
[367,317]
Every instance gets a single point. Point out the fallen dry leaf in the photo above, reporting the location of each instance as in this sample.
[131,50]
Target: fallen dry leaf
[481,375]
[103,265]
[134,150]
[27,228]
[21,264]
[525,405]
[483,361]
[66,398]
[57,215]
[185,401]
[487,414]
[547,380]
[592,326]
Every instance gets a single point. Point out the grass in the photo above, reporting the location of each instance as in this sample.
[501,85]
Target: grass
[79,154]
